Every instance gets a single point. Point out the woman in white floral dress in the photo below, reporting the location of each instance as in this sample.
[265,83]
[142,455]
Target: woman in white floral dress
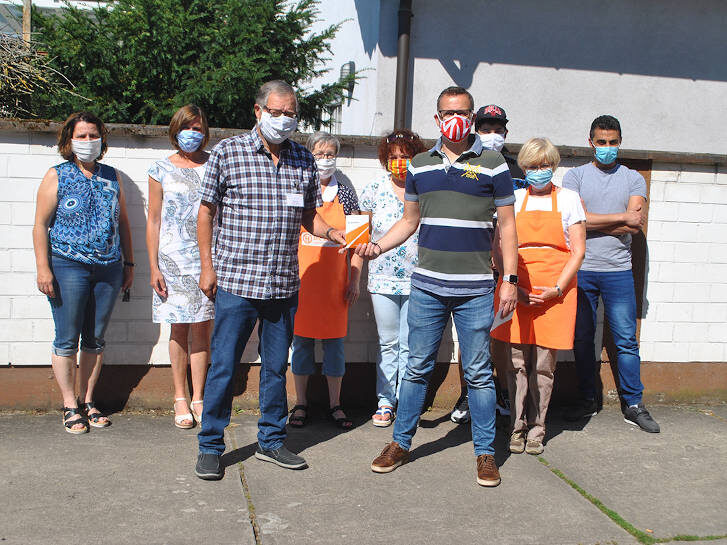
[389,279]
[171,237]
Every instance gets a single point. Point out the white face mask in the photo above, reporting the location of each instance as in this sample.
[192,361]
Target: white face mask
[326,167]
[492,141]
[86,150]
[276,129]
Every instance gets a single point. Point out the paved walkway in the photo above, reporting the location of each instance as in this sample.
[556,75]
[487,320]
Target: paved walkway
[600,481]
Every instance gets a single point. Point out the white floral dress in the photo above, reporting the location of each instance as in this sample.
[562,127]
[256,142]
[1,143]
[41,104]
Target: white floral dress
[389,273]
[178,251]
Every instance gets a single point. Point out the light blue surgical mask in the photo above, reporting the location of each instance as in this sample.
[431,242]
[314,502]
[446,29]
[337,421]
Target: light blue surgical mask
[606,154]
[189,140]
[539,178]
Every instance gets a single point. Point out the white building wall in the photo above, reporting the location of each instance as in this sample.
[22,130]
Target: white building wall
[656,65]
[686,311]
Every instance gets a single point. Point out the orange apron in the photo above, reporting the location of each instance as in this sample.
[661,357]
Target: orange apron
[322,307]
[542,254]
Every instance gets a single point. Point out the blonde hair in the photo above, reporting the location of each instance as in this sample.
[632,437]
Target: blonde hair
[187,114]
[537,151]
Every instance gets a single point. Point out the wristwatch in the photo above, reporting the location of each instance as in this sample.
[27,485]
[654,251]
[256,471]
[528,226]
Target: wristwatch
[510,278]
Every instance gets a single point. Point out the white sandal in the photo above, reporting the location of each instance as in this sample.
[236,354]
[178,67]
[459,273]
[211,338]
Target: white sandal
[179,418]
[197,417]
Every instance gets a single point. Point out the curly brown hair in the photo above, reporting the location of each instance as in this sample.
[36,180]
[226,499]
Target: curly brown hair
[404,139]
[65,135]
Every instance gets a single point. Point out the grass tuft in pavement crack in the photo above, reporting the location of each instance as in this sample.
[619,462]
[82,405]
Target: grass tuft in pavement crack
[642,537]
[248,497]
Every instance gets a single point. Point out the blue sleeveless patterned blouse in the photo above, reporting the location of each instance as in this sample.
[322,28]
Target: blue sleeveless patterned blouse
[86,224]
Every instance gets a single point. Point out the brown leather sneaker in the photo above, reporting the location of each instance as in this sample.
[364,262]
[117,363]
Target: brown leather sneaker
[390,458]
[487,473]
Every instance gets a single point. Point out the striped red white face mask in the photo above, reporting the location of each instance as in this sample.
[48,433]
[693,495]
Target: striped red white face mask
[455,128]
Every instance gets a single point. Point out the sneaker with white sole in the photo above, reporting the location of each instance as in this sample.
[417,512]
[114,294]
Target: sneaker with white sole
[637,415]
[461,412]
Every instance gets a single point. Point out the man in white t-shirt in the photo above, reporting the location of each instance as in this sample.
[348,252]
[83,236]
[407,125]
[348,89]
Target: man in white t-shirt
[614,197]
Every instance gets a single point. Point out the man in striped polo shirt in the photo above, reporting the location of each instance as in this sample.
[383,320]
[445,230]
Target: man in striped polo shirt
[452,192]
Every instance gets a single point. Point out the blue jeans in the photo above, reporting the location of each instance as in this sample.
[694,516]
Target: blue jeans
[85,297]
[616,288]
[303,359]
[235,318]
[428,315]
[391,322]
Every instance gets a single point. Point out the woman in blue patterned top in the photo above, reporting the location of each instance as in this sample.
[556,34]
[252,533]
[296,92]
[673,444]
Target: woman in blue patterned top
[171,239]
[81,230]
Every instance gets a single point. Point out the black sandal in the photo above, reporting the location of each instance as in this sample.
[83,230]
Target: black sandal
[95,418]
[68,412]
[345,423]
[298,421]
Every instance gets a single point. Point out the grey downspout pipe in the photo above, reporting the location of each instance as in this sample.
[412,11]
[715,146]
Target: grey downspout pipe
[402,65]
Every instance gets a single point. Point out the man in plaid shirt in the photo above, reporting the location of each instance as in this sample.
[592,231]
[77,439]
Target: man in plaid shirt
[262,187]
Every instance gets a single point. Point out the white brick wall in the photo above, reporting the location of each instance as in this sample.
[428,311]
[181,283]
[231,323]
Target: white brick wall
[687,277]
[687,274]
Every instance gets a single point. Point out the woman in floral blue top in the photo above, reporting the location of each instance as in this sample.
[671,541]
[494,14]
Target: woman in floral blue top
[389,275]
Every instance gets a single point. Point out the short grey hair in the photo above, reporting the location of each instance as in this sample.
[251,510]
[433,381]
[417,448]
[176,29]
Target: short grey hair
[276,86]
[322,137]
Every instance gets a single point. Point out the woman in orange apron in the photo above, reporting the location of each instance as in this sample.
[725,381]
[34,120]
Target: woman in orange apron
[551,237]
[326,290]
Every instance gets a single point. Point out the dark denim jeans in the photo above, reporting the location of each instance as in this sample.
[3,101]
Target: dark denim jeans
[85,297]
[235,319]
[616,288]
[428,316]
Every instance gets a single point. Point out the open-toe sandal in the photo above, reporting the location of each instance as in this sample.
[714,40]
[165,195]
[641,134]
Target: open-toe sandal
[298,421]
[179,419]
[69,412]
[197,416]
[344,422]
[386,412]
[95,419]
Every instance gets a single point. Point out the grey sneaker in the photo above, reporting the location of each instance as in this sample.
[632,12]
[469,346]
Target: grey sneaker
[585,409]
[209,467]
[639,416]
[282,457]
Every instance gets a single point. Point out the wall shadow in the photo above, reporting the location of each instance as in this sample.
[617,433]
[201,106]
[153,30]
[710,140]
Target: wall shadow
[134,352]
[653,38]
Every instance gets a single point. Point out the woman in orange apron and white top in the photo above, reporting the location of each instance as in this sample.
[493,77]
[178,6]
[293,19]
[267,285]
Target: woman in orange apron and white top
[326,290]
[551,234]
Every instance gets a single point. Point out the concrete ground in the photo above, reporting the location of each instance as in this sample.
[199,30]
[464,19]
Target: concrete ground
[598,482]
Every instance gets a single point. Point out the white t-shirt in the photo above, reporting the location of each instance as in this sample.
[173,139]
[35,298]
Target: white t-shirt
[569,205]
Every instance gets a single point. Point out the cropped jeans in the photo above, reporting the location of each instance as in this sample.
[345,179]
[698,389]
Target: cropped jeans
[391,322]
[85,298]
[428,316]
[616,288]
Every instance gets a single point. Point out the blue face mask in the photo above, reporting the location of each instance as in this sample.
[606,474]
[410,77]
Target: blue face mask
[606,154]
[539,178]
[189,140]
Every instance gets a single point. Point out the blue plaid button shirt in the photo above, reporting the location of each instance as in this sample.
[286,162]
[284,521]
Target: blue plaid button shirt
[256,244]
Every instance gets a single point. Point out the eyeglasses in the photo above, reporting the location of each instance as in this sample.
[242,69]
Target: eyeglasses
[446,114]
[399,136]
[544,166]
[324,155]
[278,113]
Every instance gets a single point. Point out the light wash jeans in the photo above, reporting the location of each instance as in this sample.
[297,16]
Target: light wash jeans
[391,322]
[428,315]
